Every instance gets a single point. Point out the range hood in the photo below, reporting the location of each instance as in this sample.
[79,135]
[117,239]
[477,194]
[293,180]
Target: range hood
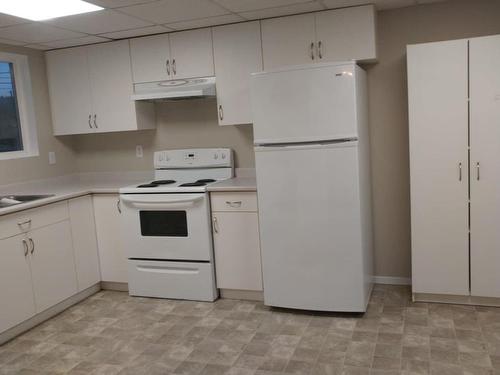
[175,89]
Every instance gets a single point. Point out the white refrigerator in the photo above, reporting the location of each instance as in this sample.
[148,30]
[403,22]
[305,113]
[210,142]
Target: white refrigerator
[313,183]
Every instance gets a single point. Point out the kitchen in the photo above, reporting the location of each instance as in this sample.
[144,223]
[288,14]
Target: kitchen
[380,340]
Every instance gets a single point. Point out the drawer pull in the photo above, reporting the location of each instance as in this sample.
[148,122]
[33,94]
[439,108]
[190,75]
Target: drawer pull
[25,222]
[234,204]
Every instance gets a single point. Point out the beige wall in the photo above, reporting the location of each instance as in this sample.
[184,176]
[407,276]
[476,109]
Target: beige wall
[389,117]
[17,170]
[182,124]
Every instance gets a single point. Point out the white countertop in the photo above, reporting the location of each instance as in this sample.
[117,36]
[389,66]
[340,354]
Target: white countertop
[235,184]
[70,186]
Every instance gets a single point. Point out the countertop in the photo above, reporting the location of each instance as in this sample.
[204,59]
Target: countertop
[235,184]
[70,186]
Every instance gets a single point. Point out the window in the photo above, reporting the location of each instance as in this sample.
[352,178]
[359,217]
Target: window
[17,119]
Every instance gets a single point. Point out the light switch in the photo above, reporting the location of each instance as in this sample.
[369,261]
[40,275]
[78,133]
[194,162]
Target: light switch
[138,151]
[52,157]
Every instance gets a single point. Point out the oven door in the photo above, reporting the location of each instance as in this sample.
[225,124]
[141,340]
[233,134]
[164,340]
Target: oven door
[167,226]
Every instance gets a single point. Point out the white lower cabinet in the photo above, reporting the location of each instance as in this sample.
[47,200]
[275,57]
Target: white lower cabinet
[52,264]
[236,241]
[112,258]
[16,287]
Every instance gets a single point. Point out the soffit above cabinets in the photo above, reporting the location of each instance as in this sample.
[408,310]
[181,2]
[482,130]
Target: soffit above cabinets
[130,18]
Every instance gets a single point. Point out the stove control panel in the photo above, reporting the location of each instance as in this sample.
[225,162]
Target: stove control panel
[194,158]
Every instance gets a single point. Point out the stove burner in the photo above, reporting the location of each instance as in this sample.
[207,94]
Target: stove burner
[197,183]
[163,182]
[148,185]
[206,180]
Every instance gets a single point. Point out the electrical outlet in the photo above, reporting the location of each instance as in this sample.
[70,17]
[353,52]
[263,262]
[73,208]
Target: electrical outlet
[138,151]
[52,157]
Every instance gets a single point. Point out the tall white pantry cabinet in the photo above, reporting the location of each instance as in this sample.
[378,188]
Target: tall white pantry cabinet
[454,130]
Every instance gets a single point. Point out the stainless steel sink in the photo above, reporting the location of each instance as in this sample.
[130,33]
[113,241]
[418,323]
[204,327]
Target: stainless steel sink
[12,200]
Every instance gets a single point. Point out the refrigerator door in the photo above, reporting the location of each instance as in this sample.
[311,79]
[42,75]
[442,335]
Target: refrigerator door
[304,104]
[309,218]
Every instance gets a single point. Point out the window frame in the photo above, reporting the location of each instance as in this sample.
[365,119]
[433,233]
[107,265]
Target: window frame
[24,96]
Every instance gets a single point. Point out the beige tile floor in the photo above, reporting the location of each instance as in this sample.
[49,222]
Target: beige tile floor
[112,333]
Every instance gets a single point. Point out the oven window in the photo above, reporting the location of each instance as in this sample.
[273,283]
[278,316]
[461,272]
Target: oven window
[163,223]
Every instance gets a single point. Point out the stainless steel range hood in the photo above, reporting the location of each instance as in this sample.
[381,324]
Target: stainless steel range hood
[175,90]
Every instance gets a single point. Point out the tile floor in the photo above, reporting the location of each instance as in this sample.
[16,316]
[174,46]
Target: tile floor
[112,333]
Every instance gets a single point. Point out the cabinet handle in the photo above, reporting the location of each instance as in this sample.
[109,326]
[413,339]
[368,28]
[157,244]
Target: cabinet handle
[234,204]
[312,50]
[118,206]
[174,67]
[320,54]
[168,66]
[221,112]
[32,243]
[90,123]
[25,222]
[459,171]
[477,170]
[216,225]
[95,120]
[25,245]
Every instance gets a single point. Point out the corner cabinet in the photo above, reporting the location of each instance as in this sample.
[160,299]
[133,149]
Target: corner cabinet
[453,93]
[90,90]
[335,35]
[236,241]
[237,54]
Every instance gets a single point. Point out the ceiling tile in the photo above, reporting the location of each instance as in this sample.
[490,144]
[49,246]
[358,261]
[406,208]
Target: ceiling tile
[205,22]
[36,33]
[105,21]
[392,4]
[6,20]
[75,42]
[281,11]
[118,3]
[137,32]
[169,11]
[248,5]
[344,3]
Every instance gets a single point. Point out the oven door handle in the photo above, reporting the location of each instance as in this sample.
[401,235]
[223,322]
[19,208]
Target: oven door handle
[146,203]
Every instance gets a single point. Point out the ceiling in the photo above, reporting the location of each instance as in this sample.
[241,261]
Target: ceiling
[129,18]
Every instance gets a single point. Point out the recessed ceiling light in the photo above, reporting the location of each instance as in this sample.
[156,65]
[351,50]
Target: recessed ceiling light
[38,10]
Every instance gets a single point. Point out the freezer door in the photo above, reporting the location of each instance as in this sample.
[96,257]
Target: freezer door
[309,217]
[306,104]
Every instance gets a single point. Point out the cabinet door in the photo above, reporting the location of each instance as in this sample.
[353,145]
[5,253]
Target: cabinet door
[150,58]
[288,41]
[437,99]
[111,84]
[112,259]
[69,89]
[192,54]
[485,164]
[52,264]
[81,213]
[237,250]
[16,292]
[346,34]
[237,54]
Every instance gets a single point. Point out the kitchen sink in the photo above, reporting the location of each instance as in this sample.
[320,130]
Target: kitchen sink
[12,200]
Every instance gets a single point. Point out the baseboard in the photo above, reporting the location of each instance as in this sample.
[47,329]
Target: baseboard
[47,314]
[392,280]
[250,295]
[114,285]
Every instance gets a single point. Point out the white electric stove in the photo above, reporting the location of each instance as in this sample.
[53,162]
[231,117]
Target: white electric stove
[167,228]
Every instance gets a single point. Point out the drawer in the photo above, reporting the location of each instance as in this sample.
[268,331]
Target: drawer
[234,201]
[24,221]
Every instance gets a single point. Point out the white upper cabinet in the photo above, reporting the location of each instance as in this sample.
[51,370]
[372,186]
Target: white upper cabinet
[90,89]
[335,35]
[185,54]
[288,40]
[346,34]
[150,58]
[192,54]
[69,89]
[237,54]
